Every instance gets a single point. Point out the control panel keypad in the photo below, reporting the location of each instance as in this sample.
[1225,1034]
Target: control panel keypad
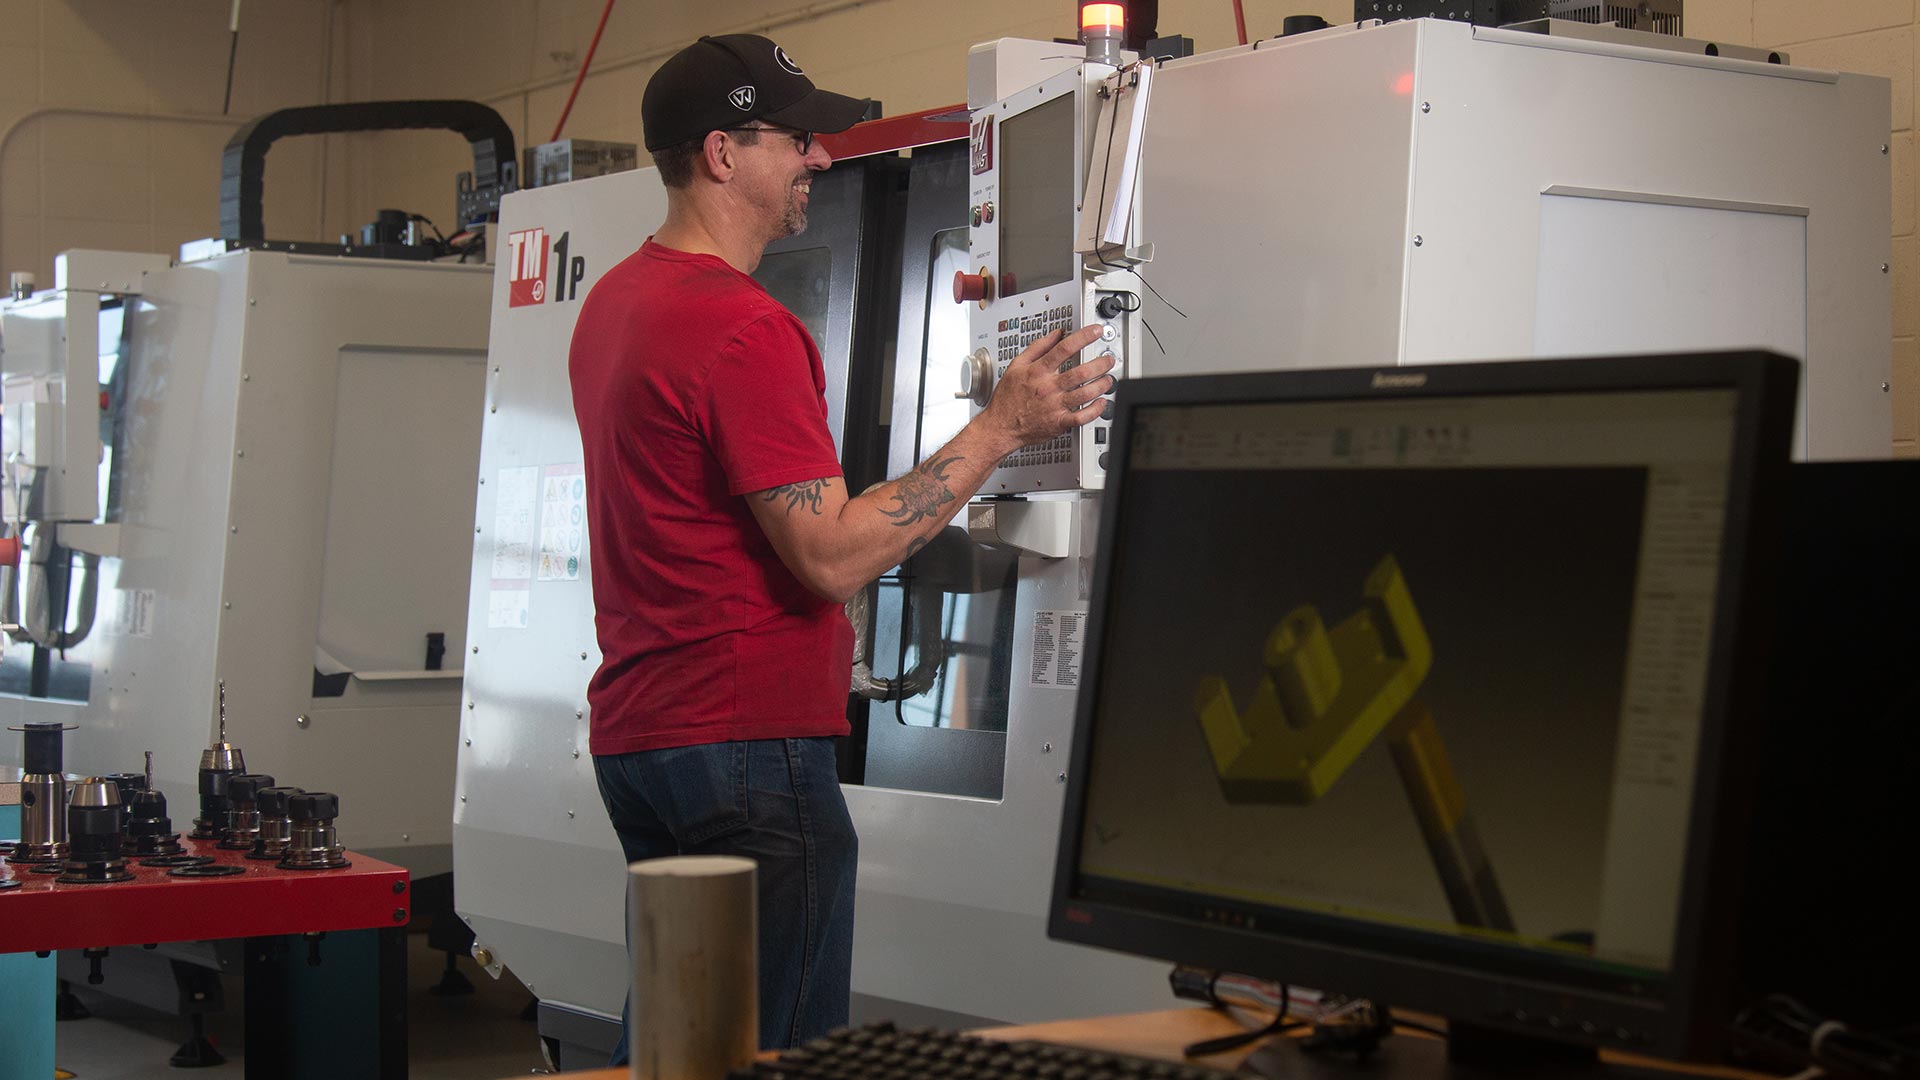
[1017,334]
[1014,336]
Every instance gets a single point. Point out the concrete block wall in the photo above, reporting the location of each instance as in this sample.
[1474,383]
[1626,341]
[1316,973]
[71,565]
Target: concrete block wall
[110,130]
[111,127]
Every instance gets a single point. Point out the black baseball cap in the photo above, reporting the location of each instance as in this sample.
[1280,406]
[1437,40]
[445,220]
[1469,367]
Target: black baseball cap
[726,81]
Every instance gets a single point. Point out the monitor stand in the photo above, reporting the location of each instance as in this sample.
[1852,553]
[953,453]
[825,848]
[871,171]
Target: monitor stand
[1468,1051]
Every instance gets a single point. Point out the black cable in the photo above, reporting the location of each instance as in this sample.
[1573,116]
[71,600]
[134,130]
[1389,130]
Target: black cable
[1783,1025]
[1156,337]
[233,51]
[1221,1045]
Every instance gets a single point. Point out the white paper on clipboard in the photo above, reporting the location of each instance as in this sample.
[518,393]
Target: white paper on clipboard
[1113,169]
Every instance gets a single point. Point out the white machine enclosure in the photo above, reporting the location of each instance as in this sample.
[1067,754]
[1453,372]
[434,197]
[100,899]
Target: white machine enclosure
[1427,191]
[295,482]
[1407,193]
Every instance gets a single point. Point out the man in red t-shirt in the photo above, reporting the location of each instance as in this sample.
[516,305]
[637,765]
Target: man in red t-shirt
[724,540]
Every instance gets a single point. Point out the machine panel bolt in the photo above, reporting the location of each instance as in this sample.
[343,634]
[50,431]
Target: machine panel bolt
[469,742]
[481,956]
[1883,268]
[239,453]
[1426,106]
[399,887]
[301,721]
[1418,240]
[233,528]
[1884,387]
[251,301]
[579,714]
[583,656]
[576,755]
[1062,778]
[476,648]
[569,813]
[399,914]
[406,838]
[1046,748]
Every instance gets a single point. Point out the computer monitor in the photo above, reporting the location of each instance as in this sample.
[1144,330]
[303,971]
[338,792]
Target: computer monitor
[1427,685]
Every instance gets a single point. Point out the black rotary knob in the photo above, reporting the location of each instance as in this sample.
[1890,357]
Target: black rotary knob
[246,787]
[273,800]
[313,806]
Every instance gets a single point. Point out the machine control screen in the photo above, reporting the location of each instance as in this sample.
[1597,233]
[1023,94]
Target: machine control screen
[1037,183]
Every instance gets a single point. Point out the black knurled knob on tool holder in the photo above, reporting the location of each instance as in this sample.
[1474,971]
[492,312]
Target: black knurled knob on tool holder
[127,783]
[313,846]
[214,805]
[276,828]
[243,813]
[93,837]
[149,829]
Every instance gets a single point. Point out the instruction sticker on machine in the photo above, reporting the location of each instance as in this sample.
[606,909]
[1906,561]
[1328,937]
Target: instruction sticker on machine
[563,521]
[513,509]
[1058,638]
[509,605]
[515,501]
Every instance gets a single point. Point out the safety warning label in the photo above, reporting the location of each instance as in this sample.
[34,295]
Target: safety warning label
[563,521]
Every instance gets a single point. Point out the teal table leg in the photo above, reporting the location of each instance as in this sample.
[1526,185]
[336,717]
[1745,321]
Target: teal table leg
[26,998]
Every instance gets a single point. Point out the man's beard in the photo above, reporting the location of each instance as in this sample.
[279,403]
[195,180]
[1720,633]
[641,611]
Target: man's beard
[794,221]
[793,218]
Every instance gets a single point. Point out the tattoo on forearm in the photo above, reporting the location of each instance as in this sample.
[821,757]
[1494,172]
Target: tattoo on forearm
[922,492]
[806,493]
[914,547]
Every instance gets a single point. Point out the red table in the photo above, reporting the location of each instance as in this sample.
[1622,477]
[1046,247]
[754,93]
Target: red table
[277,912]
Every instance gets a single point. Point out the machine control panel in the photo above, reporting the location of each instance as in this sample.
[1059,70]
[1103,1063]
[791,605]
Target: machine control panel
[1029,163]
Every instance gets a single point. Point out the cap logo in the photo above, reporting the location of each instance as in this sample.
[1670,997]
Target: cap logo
[786,61]
[742,98]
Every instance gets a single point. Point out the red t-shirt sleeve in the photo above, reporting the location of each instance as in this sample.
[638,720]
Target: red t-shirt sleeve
[766,414]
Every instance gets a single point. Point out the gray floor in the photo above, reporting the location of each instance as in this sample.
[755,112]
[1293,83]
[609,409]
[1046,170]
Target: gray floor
[477,1036]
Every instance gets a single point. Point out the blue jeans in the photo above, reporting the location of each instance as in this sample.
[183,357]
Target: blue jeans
[778,802]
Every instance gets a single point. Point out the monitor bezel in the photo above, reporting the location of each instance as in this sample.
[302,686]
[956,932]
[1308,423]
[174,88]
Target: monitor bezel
[1688,1021]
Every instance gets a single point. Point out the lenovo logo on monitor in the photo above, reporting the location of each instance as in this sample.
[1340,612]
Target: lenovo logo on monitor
[1387,380]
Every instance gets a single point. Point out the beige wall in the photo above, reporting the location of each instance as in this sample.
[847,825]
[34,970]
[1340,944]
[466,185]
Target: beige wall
[111,126]
[108,108]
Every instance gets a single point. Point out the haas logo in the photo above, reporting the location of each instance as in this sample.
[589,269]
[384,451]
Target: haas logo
[526,267]
[742,98]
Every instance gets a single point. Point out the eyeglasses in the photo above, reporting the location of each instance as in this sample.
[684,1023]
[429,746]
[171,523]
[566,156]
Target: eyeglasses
[801,139]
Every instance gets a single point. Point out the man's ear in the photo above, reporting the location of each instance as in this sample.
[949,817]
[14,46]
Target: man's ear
[716,156]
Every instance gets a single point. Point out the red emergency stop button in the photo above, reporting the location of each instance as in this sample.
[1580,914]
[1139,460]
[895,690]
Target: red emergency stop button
[972,286]
[9,551]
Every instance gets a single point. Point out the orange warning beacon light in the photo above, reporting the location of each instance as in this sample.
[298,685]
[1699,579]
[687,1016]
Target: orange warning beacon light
[1103,30]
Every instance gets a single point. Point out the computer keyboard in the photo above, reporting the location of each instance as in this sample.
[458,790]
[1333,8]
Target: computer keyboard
[882,1052]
